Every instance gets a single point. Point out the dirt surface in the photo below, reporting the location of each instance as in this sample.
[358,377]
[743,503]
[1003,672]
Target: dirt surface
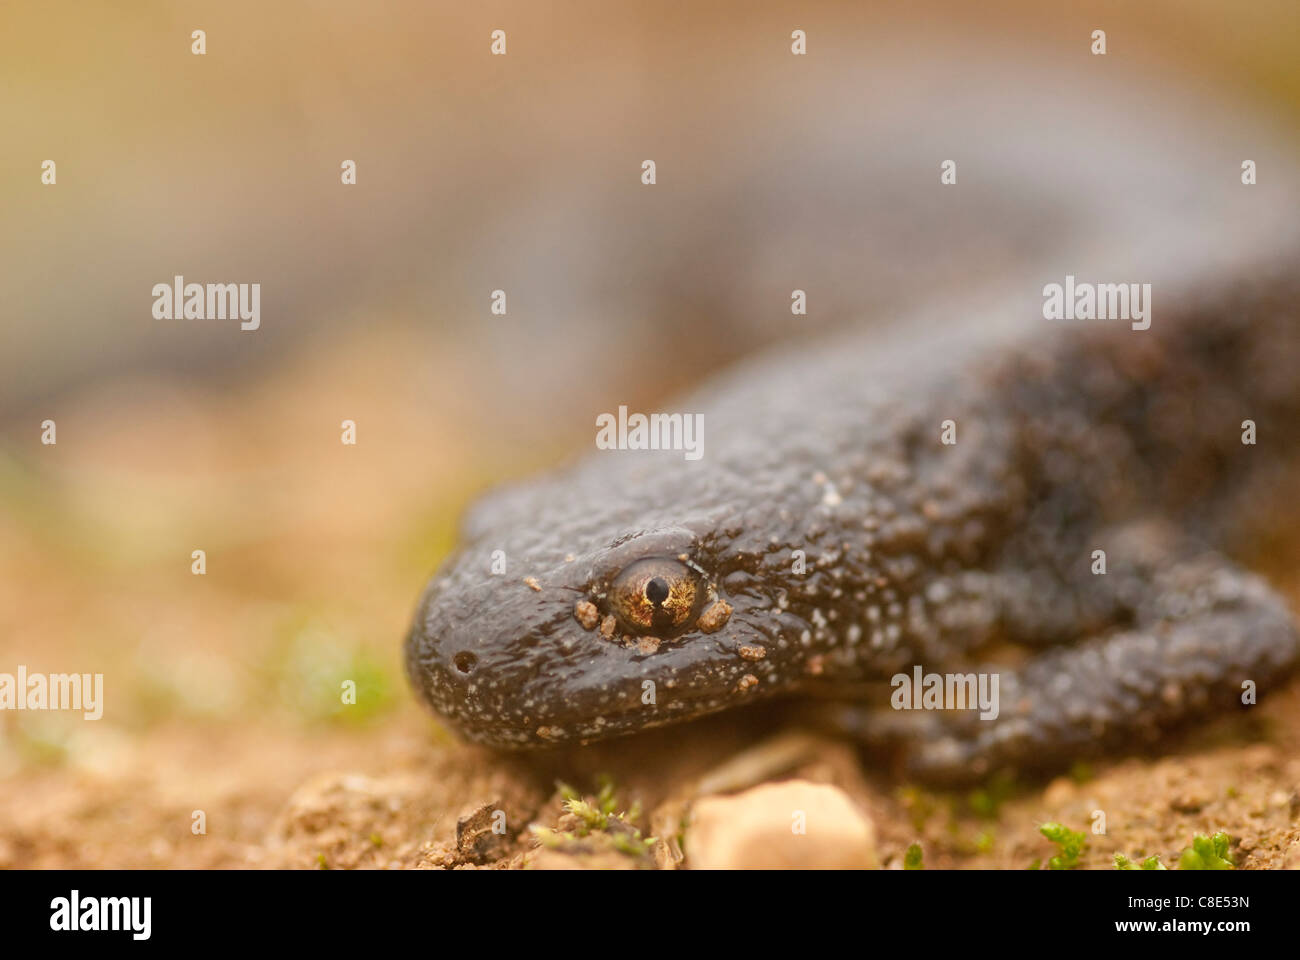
[398,795]
[222,705]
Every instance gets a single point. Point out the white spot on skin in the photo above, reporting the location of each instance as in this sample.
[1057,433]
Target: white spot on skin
[938,592]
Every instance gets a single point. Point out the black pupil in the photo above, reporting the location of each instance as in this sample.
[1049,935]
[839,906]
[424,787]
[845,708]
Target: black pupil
[656,591]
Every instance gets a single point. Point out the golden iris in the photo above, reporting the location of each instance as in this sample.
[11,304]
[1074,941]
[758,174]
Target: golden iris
[657,594]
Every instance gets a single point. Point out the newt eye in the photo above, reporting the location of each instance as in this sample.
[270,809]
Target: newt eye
[655,595]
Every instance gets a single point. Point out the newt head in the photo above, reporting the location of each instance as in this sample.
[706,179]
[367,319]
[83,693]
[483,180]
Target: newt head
[638,631]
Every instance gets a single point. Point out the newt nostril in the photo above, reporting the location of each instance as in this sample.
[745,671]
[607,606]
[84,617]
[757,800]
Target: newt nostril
[464,661]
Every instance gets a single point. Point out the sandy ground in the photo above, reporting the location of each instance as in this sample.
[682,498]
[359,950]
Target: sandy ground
[222,709]
[399,795]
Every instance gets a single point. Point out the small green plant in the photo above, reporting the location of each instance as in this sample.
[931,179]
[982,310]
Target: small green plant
[1081,771]
[919,804]
[1207,853]
[912,858]
[987,800]
[1150,863]
[595,823]
[1071,843]
[42,740]
[327,676]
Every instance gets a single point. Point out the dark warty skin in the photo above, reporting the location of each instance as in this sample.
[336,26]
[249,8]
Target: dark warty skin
[645,588]
[1069,439]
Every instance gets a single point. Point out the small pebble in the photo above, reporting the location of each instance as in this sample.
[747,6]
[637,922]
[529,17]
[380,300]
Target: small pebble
[715,618]
[791,825]
[585,612]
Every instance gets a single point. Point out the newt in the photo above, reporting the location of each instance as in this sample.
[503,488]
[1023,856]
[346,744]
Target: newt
[983,486]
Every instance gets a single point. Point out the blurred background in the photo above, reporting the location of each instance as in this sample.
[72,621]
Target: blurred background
[474,173]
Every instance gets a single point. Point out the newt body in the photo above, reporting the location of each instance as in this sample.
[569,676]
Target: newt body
[829,539]
[914,551]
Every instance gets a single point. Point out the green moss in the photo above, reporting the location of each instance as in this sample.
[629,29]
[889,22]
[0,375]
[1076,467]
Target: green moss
[309,665]
[597,824]
[547,837]
[912,858]
[374,689]
[920,806]
[1150,863]
[987,801]
[43,739]
[632,844]
[605,799]
[589,815]
[1207,853]
[1071,843]
[1081,772]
